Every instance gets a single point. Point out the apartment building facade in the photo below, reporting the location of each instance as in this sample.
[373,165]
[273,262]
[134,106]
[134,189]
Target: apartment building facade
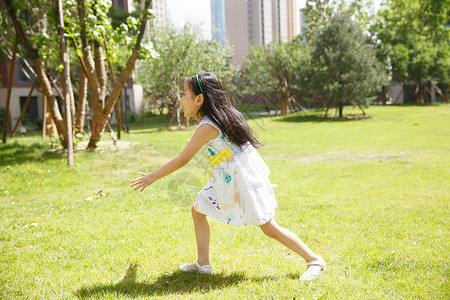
[241,23]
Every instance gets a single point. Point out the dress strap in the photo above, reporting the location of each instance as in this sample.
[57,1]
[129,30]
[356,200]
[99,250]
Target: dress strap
[207,120]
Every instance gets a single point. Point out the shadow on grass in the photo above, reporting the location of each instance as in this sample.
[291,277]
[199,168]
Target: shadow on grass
[415,104]
[178,282]
[16,153]
[300,117]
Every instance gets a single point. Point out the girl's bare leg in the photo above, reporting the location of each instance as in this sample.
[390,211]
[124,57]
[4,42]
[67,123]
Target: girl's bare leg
[292,241]
[202,234]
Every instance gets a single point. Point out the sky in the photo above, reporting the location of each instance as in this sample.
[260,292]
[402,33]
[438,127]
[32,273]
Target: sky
[199,12]
[193,11]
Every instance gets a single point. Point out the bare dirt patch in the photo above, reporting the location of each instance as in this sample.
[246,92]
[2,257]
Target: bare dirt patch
[106,145]
[348,117]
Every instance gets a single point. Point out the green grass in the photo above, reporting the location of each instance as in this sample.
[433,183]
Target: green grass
[371,196]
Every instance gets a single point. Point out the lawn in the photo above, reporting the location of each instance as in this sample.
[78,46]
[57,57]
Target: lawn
[370,195]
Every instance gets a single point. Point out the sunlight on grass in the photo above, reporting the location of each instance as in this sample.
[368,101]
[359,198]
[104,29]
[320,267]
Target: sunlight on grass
[370,195]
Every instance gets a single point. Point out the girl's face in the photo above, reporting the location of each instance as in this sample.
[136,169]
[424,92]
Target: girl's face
[190,102]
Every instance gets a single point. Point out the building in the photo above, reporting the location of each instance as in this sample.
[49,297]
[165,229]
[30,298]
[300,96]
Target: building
[260,14]
[237,28]
[19,93]
[159,8]
[218,20]
[303,25]
[292,19]
[279,29]
[253,22]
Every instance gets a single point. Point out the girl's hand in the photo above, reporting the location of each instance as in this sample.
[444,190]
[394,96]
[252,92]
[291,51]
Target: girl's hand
[143,182]
[201,136]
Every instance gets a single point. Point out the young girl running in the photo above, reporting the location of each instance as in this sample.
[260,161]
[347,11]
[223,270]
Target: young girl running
[238,191]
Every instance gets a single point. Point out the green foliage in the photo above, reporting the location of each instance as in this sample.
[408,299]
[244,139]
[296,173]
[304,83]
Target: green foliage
[344,68]
[276,70]
[338,67]
[119,28]
[412,40]
[181,54]
[120,16]
[39,19]
[317,12]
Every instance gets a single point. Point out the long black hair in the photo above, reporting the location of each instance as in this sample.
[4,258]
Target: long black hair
[218,107]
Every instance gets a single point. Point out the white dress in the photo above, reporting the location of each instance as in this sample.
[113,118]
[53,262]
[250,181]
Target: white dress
[238,191]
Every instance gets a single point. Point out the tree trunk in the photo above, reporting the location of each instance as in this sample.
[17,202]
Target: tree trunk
[67,86]
[97,102]
[420,92]
[81,109]
[383,95]
[102,116]
[82,97]
[341,109]
[8,98]
[118,116]
[178,117]
[326,110]
[68,89]
[100,69]
[91,73]
[44,117]
[284,106]
[40,70]
[22,114]
[447,91]
[72,98]
[51,126]
[170,115]
[439,91]
[113,81]
[361,108]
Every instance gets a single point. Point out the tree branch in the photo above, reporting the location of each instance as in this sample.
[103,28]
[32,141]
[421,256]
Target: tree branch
[34,54]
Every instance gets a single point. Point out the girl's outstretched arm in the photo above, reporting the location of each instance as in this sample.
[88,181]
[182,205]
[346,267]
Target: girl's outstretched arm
[203,134]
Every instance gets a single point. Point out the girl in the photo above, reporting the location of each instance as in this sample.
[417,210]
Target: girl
[238,191]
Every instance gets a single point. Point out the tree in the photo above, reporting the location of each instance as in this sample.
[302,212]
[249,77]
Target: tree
[182,53]
[285,71]
[68,96]
[89,27]
[413,43]
[344,69]
[276,71]
[35,26]
[31,35]
[317,12]
[95,67]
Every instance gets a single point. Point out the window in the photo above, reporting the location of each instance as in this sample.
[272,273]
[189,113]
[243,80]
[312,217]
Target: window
[31,114]
[21,75]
